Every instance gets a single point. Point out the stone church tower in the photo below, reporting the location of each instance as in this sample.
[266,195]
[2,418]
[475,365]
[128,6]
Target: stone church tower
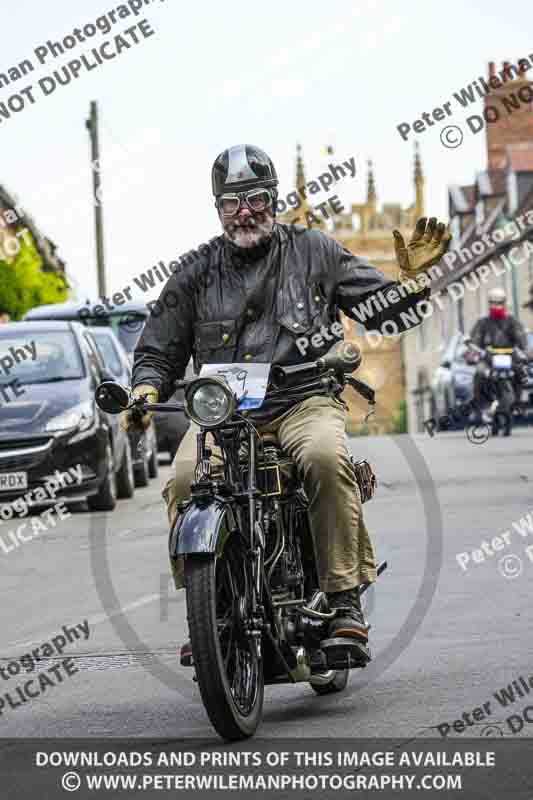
[366,230]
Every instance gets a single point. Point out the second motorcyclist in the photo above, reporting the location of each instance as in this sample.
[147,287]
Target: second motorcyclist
[498,330]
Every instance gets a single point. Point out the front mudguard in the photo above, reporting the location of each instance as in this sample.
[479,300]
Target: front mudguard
[201,528]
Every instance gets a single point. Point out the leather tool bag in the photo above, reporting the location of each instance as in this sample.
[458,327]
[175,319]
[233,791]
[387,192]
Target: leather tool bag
[365,477]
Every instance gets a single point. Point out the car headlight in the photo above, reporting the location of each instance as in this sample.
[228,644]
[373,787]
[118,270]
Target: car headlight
[209,402]
[80,417]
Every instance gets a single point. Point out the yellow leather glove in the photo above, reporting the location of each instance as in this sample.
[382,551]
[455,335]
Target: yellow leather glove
[427,247]
[130,419]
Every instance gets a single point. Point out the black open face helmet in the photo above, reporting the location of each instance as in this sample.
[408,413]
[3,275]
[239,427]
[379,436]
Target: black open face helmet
[242,167]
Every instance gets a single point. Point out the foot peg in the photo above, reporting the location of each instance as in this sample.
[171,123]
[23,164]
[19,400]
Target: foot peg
[344,653]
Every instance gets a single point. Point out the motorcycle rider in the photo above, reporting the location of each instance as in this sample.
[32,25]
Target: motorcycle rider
[499,329]
[249,296]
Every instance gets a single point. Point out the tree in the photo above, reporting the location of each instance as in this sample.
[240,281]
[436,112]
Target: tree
[400,418]
[23,285]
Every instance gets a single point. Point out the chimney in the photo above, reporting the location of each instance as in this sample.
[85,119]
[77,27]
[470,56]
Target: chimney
[514,100]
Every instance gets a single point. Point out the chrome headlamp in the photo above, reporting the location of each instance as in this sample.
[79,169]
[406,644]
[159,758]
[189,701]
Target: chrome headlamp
[209,402]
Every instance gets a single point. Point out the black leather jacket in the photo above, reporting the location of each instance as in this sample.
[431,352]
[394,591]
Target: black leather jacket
[221,309]
[508,332]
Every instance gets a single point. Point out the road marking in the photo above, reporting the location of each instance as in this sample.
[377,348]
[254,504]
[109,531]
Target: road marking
[96,619]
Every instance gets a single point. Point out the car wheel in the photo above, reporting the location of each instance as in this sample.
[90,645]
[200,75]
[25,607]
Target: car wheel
[142,474]
[106,499]
[125,476]
[153,466]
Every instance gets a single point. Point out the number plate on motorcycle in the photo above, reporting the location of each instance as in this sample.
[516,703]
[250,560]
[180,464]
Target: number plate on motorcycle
[502,361]
[248,381]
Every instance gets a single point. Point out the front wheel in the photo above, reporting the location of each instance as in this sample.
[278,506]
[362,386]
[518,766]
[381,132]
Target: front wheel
[142,474]
[228,669]
[153,466]
[125,477]
[106,498]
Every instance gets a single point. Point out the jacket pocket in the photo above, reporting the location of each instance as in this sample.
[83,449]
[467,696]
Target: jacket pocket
[214,340]
[307,313]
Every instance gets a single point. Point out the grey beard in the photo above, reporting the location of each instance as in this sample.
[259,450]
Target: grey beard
[249,235]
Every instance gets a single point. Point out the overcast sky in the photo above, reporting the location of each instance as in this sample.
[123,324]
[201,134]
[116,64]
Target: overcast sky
[216,74]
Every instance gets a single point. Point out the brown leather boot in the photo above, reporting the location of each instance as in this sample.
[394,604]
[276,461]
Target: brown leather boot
[350,621]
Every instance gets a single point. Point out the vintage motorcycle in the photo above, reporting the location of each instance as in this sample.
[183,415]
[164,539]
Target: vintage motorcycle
[503,374]
[255,611]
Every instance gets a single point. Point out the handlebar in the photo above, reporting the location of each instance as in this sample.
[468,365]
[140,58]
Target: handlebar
[342,360]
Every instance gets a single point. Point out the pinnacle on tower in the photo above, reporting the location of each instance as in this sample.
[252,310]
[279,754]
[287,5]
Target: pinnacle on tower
[419,183]
[300,175]
[418,162]
[300,182]
[371,187]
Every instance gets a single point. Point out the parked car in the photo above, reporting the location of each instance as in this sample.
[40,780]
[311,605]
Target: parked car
[453,380]
[117,364]
[53,423]
[127,322]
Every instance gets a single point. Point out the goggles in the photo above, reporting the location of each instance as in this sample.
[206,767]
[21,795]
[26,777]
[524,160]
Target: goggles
[256,199]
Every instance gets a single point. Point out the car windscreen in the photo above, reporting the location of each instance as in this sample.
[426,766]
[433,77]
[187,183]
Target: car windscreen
[108,352]
[128,332]
[42,357]
[127,328]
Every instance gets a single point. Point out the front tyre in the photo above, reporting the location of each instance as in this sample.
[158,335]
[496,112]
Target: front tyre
[142,474]
[153,466]
[125,477]
[229,672]
[106,498]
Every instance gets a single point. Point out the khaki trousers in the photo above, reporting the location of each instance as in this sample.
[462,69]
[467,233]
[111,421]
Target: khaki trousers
[313,434]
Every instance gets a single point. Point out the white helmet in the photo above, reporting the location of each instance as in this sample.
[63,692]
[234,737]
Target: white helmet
[497,296]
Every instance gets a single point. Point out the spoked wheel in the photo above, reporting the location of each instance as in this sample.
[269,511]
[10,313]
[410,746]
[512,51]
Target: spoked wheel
[228,669]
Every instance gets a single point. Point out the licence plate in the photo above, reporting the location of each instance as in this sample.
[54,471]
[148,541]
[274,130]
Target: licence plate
[502,361]
[13,480]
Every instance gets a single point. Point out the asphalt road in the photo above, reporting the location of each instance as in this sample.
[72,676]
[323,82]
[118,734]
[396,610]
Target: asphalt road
[444,638]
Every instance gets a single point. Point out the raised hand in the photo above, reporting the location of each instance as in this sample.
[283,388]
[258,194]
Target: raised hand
[427,246]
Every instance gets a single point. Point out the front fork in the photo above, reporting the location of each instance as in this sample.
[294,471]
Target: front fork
[251,612]
[256,535]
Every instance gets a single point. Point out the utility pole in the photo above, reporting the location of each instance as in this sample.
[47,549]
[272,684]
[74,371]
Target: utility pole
[92,126]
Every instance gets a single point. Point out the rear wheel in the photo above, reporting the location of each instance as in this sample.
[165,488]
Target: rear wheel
[228,669]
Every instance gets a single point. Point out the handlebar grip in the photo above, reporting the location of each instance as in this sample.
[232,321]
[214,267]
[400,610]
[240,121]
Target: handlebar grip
[363,388]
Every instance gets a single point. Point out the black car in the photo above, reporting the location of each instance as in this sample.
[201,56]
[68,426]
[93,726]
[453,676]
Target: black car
[117,364]
[127,321]
[50,422]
